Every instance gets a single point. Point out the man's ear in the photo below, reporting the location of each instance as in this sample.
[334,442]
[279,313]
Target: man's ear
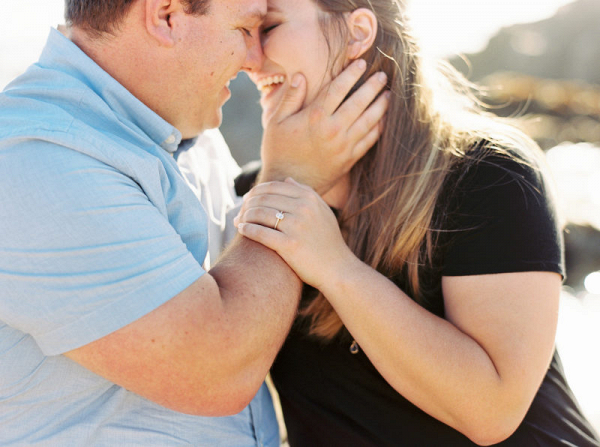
[362,26]
[159,20]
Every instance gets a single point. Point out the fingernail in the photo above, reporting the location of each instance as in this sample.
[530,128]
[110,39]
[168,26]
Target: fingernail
[241,227]
[362,64]
[382,77]
[387,94]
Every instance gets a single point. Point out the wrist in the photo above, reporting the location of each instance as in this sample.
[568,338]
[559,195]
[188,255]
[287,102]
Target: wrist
[341,274]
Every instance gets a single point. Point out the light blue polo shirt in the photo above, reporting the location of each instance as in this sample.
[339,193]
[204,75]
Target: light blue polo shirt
[97,228]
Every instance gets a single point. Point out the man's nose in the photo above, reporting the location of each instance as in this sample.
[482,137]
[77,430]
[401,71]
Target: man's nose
[254,56]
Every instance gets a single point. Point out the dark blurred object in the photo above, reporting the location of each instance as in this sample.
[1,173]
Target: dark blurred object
[246,179]
[582,254]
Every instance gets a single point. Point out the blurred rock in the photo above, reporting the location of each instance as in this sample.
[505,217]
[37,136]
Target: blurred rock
[565,46]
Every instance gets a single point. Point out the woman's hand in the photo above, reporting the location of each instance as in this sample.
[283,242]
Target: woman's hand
[307,237]
[321,142]
[477,371]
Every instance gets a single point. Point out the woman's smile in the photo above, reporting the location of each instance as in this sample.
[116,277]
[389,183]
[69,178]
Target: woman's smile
[268,83]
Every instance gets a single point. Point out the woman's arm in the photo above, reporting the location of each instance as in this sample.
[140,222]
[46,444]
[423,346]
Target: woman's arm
[477,371]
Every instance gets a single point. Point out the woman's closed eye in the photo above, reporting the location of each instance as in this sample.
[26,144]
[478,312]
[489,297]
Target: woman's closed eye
[269,28]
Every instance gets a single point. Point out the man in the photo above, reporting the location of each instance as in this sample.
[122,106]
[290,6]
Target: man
[111,332]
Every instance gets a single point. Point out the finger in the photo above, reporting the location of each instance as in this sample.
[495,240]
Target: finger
[265,216]
[277,188]
[277,195]
[275,203]
[357,104]
[333,94]
[300,185]
[372,117]
[268,237]
[366,143]
[292,99]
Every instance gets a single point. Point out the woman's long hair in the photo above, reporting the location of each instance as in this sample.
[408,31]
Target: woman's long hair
[433,121]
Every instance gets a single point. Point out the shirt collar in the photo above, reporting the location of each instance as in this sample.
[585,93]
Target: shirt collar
[184,146]
[62,54]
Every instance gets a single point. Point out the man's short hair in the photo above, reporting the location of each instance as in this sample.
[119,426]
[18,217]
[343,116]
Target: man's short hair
[104,16]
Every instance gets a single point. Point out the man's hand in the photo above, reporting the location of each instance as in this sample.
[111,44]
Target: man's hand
[320,143]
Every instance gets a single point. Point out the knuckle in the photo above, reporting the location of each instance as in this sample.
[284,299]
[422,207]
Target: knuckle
[312,198]
[366,125]
[337,89]
[316,115]
[260,200]
[266,215]
[292,244]
[304,208]
[250,215]
[333,130]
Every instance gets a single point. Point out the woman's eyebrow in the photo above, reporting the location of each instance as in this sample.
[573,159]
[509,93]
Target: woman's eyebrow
[273,8]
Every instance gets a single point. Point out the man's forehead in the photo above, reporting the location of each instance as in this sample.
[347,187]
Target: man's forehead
[252,10]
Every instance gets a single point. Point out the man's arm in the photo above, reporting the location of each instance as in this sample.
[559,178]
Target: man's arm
[207,350]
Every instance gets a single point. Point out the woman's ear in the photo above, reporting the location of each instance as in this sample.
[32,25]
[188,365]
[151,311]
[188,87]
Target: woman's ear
[362,26]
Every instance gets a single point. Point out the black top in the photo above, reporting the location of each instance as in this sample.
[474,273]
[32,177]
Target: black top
[494,217]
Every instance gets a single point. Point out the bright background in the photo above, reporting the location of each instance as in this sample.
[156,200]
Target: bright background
[446,28]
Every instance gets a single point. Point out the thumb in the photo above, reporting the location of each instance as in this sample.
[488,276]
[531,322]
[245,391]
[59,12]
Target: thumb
[292,99]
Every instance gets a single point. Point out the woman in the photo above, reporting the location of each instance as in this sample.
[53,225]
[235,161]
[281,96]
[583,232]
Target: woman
[436,280]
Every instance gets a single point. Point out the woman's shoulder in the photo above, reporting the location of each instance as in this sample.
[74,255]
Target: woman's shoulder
[488,165]
[499,215]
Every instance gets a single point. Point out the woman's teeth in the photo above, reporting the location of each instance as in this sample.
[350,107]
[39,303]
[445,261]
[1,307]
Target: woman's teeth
[267,84]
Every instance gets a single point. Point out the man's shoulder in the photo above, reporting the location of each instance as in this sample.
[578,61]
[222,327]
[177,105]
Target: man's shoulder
[28,108]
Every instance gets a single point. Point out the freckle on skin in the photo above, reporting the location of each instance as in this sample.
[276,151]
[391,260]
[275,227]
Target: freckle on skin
[153,340]
[212,73]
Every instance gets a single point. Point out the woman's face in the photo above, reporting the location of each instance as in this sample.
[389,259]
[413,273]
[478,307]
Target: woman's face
[292,42]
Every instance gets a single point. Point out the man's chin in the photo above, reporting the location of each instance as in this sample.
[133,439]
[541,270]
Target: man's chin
[211,123]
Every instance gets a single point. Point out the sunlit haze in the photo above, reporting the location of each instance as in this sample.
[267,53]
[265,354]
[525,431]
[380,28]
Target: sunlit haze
[465,26]
[445,27]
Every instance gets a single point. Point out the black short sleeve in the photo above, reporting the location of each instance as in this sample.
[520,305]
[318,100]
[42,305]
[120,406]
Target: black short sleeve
[500,218]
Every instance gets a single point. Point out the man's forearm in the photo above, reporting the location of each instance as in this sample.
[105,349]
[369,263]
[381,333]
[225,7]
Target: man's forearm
[260,295]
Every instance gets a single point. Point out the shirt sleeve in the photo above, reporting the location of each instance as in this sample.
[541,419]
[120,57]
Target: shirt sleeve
[501,219]
[84,254]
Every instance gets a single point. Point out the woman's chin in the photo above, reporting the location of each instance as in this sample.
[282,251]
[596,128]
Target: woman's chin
[267,114]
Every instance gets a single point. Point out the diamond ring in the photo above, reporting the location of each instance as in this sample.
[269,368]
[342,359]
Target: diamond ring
[279,216]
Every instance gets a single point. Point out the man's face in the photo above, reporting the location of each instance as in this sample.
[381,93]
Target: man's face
[210,51]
